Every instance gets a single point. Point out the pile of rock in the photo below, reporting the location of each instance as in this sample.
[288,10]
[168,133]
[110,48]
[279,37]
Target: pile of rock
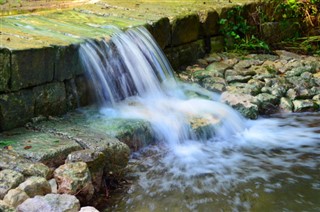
[26,187]
[259,84]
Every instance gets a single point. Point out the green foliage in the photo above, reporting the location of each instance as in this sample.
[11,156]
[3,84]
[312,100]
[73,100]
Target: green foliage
[237,31]
[6,143]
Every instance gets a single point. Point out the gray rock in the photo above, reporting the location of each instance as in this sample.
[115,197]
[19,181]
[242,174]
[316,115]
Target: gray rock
[9,179]
[50,203]
[15,197]
[75,179]
[231,79]
[11,160]
[286,104]
[35,186]
[95,161]
[304,105]
[267,103]
[242,103]
[53,185]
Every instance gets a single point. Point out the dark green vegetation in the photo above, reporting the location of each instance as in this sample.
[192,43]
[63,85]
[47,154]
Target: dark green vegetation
[292,25]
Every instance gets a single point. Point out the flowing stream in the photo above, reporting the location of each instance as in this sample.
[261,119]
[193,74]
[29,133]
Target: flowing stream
[207,156]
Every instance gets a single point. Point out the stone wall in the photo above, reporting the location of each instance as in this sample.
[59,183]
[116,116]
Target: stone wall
[50,80]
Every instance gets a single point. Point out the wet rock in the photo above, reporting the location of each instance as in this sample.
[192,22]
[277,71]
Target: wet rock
[292,93]
[286,104]
[9,179]
[242,103]
[15,197]
[95,161]
[35,186]
[50,202]
[11,160]
[267,103]
[304,105]
[231,79]
[161,31]
[5,207]
[42,147]
[75,179]
[88,209]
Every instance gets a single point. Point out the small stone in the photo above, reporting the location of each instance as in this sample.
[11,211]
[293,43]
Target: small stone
[9,179]
[267,103]
[53,185]
[88,209]
[15,197]
[50,202]
[292,94]
[35,186]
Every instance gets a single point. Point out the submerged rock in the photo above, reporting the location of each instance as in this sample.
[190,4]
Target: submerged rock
[50,203]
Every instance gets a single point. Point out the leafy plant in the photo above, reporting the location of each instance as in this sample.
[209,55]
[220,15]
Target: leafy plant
[238,33]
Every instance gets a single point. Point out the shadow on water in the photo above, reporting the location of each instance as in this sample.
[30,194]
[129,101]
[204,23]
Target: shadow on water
[207,157]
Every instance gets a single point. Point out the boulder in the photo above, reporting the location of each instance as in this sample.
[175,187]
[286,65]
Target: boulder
[75,179]
[9,179]
[35,186]
[242,103]
[304,105]
[11,160]
[5,207]
[267,103]
[50,203]
[185,29]
[15,197]
[95,161]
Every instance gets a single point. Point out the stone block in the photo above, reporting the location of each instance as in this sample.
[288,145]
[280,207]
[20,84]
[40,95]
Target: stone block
[209,22]
[217,44]
[185,29]
[16,109]
[4,70]
[67,62]
[50,99]
[32,67]
[185,54]
[161,31]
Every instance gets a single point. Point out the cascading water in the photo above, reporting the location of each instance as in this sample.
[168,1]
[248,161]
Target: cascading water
[228,166]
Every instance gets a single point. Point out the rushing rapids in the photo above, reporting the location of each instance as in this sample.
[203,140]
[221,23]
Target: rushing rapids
[229,164]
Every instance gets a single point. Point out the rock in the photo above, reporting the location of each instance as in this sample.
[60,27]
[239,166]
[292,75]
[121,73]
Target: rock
[245,64]
[75,179]
[209,22]
[161,31]
[35,186]
[292,93]
[304,105]
[217,69]
[242,103]
[286,104]
[95,161]
[88,209]
[53,185]
[4,69]
[11,160]
[297,71]
[15,197]
[5,207]
[42,147]
[285,55]
[50,203]
[231,79]
[267,103]
[9,179]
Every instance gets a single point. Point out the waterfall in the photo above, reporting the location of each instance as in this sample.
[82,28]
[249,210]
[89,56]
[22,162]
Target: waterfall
[132,68]
[132,79]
